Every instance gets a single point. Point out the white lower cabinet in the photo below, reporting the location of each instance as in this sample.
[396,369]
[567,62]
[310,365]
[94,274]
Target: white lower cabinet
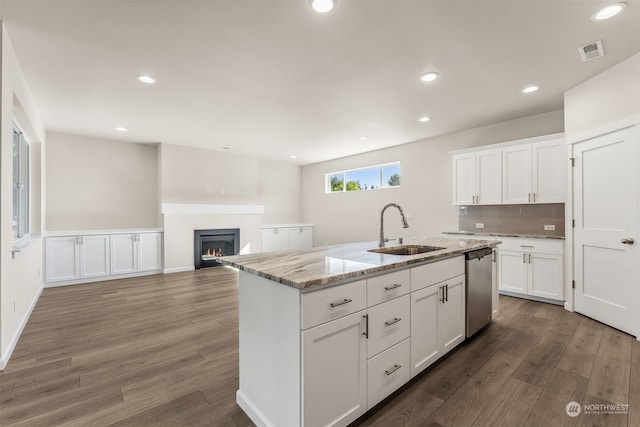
[91,257]
[387,371]
[286,237]
[437,322]
[532,267]
[136,252]
[69,258]
[334,359]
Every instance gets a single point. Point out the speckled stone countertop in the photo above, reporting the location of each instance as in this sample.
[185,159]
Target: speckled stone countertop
[523,236]
[324,265]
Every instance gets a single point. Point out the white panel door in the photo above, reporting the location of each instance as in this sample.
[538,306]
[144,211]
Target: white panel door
[489,177]
[513,272]
[149,251]
[94,256]
[464,179]
[516,174]
[451,315]
[300,237]
[549,172]
[424,328]
[275,239]
[545,275]
[334,361]
[62,258]
[124,254]
[605,179]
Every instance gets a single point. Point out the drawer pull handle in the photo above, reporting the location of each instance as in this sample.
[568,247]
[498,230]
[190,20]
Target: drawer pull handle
[344,301]
[366,325]
[391,322]
[392,370]
[526,246]
[392,287]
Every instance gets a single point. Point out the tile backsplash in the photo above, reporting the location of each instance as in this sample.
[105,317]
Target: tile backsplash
[524,219]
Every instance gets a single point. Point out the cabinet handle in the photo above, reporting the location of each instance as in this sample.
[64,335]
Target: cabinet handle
[392,287]
[627,241]
[524,258]
[392,370]
[446,293]
[493,255]
[391,322]
[344,301]
[529,258]
[366,326]
[441,288]
[529,197]
[534,197]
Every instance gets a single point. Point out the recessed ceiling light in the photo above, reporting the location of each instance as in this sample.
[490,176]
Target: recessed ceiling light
[424,119]
[363,138]
[292,157]
[121,129]
[608,11]
[323,6]
[429,77]
[530,89]
[146,79]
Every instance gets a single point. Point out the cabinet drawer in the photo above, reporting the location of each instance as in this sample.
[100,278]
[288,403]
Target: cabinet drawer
[544,246]
[387,372]
[388,286]
[331,303]
[436,272]
[389,323]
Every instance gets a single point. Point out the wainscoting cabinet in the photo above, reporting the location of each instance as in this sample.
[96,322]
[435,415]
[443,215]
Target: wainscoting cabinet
[73,258]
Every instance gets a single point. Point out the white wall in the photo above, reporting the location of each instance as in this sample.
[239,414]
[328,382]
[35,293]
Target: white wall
[100,184]
[606,98]
[279,191]
[425,191]
[20,277]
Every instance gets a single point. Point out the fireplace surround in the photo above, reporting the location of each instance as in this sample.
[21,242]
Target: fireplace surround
[212,243]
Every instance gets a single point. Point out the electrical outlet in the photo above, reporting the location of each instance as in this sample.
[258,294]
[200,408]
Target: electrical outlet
[549,228]
[479,225]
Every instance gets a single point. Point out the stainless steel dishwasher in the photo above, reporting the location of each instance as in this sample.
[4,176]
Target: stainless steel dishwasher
[478,271]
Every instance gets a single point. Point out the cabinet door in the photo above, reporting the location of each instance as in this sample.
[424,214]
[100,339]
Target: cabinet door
[334,372]
[513,271]
[275,239]
[549,172]
[516,174]
[451,315]
[546,273]
[464,179]
[424,324]
[94,256]
[300,237]
[489,177]
[149,251]
[124,254]
[62,258]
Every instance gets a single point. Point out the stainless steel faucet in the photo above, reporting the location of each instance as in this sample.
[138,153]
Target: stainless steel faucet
[405,224]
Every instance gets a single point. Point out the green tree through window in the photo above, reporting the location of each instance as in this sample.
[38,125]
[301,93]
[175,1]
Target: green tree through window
[394,180]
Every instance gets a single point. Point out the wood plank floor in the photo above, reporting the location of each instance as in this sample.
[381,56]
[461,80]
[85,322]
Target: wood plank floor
[163,350]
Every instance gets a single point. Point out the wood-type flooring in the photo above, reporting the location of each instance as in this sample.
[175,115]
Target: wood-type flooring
[163,350]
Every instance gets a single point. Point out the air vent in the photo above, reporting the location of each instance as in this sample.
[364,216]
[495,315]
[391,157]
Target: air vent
[591,51]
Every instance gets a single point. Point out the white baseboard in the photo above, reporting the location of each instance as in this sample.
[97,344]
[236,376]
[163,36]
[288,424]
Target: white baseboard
[4,359]
[178,269]
[251,410]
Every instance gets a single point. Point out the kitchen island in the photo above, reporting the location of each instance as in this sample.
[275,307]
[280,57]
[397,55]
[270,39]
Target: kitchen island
[329,332]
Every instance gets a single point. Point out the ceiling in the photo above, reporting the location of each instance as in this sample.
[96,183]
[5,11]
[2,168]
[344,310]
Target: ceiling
[275,79]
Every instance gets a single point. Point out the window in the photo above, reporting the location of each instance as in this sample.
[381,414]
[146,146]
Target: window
[21,159]
[369,178]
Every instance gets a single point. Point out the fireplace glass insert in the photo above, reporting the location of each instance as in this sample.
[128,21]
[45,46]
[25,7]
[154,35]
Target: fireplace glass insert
[210,244]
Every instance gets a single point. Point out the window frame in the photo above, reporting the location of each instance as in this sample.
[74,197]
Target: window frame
[343,174]
[21,185]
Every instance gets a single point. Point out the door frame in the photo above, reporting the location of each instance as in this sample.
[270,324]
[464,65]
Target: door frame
[631,121]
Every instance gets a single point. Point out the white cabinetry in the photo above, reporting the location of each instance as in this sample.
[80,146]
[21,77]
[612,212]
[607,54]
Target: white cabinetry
[533,267]
[71,258]
[437,311]
[477,178]
[534,173]
[285,237]
[136,252]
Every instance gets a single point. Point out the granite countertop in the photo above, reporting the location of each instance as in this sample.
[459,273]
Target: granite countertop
[521,235]
[332,264]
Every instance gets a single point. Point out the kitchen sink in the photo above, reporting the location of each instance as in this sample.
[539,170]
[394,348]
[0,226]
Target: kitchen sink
[405,250]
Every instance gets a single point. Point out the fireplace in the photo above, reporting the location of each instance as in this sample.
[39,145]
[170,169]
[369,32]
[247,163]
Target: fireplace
[210,244]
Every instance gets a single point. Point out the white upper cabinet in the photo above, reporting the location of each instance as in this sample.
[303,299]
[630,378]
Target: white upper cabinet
[534,173]
[477,178]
